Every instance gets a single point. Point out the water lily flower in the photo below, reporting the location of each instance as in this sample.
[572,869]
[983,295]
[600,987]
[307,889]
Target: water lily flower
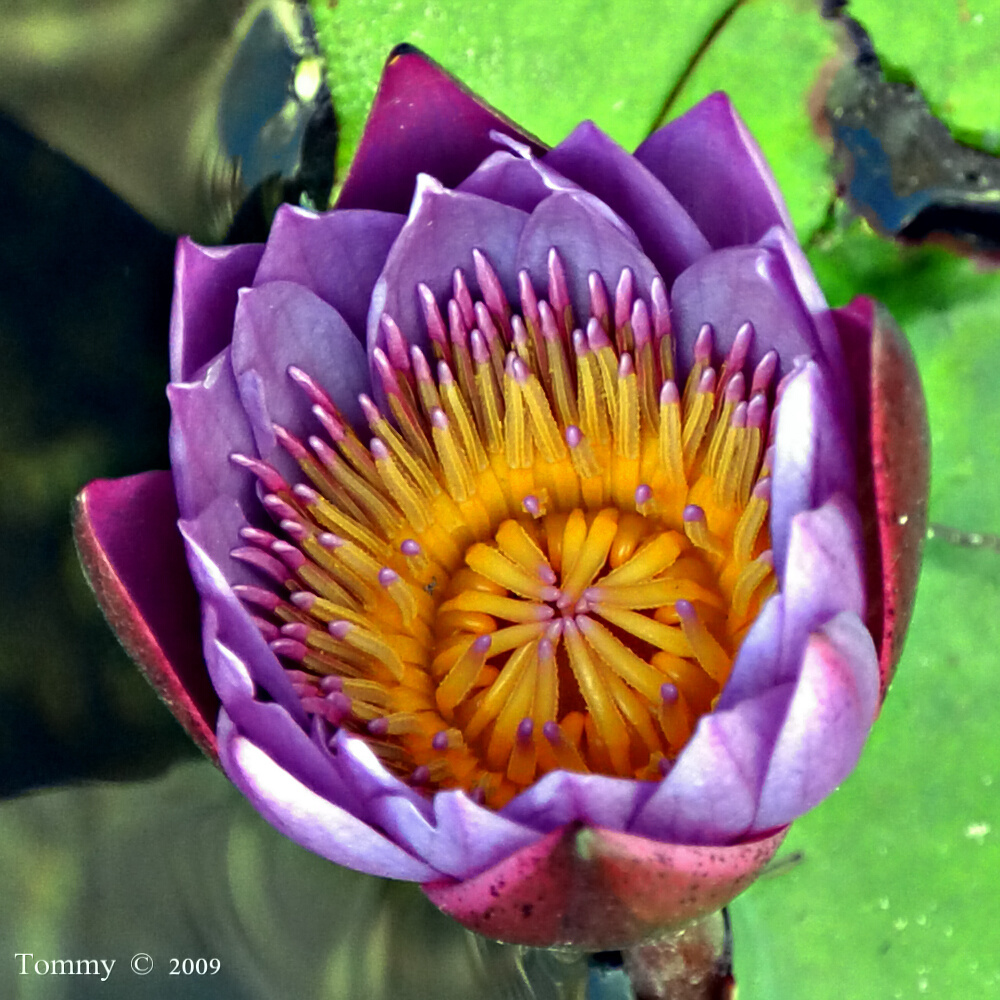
[534,530]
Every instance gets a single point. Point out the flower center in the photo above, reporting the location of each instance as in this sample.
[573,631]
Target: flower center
[546,559]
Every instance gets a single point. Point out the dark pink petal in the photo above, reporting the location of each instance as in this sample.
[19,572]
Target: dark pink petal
[282,324]
[893,463]
[563,797]
[599,165]
[126,534]
[208,424]
[598,889]
[309,819]
[713,166]
[813,457]
[710,795]
[206,280]
[828,720]
[442,230]
[731,287]
[422,121]
[337,255]
[582,228]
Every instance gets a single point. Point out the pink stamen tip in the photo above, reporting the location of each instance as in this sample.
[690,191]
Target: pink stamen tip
[457,328]
[661,307]
[410,547]
[741,345]
[267,629]
[547,574]
[692,513]
[432,315]
[596,337]
[626,366]
[554,631]
[378,727]
[519,332]
[558,294]
[545,649]
[764,372]
[292,649]
[277,507]
[378,449]
[331,683]
[296,630]
[439,419]
[485,322]
[550,330]
[477,344]
[707,381]
[525,730]
[583,607]
[445,376]
[271,479]
[552,732]
[262,561]
[580,345]
[550,594]
[739,417]
[481,644]
[289,555]
[462,297]
[329,540]
[735,388]
[259,596]
[529,301]
[531,505]
[303,600]
[766,558]
[294,529]
[665,766]
[257,536]
[669,394]
[370,410]
[669,693]
[593,594]
[387,577]
[703,344]
[334,427]
[686,610]
[305,493]
[624,294]
[574,436]
[757,411]
[339,628]
[640,324]
[643,494]
[421,775]
[564,602]
[762,490]
[598,296]
[440,741]
[493,291]
[583,623]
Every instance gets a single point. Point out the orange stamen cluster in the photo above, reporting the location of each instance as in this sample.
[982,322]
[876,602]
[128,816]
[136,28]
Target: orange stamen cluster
[547,555]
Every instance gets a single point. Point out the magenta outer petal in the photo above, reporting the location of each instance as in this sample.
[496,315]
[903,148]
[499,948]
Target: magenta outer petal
[729,288]
[582,229]
[710,795]
[337,255]
[711,164]
[442,230]
[599,165]
[422,121]
[599,889]
[281,324]
[828,721]
[126,534]
[307,818]
[206,280]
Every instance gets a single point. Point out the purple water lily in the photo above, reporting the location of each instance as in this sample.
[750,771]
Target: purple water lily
[548,539]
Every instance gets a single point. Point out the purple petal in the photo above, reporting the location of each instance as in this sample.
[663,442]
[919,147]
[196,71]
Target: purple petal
[563,797]
[206,280]
[337,255]
[667,233]
[812,460]
[712,165]
[422,121]
[208,425]
[758,661]
[126,534]
[509,179]
[710,796]
[281,324]
[827,723]
[309,819]
[225,619]
[731,287]
[589,237]
[442,230]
